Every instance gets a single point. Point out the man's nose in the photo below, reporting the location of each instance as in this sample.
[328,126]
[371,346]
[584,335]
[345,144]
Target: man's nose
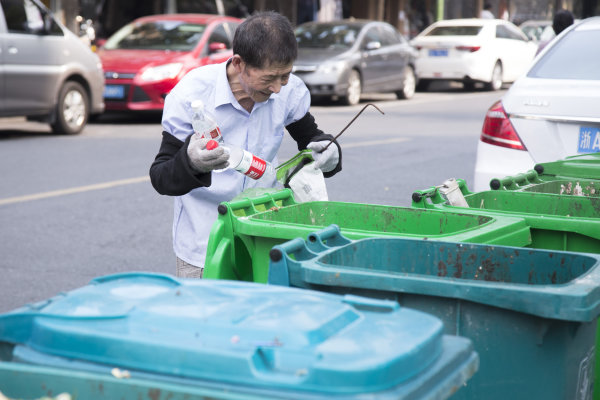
[275,87]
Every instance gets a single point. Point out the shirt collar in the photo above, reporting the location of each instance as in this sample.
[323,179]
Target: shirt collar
[223,93]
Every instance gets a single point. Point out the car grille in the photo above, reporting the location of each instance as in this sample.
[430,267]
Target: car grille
[139,95]
[118,75]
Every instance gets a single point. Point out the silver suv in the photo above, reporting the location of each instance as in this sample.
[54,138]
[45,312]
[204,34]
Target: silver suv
[46,72]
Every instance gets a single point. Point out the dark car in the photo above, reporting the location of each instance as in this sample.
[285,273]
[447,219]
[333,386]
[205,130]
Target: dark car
[145,59]
[343,59]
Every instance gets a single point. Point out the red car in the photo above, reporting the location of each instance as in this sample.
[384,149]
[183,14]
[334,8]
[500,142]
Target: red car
[146,58]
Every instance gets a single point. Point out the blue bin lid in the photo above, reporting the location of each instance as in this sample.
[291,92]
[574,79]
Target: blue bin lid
[233,332]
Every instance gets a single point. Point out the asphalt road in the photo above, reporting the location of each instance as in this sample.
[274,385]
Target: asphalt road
[74,208]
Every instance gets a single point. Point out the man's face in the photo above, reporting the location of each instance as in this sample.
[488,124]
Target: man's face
[260,83]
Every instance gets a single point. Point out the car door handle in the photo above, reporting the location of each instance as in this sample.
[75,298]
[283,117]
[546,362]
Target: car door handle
[12,50]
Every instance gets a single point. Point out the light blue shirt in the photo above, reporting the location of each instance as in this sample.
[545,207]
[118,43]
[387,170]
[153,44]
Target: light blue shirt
[260,132]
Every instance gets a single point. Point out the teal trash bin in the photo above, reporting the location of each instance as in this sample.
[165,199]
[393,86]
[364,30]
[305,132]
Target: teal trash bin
[151,336]
[531,314]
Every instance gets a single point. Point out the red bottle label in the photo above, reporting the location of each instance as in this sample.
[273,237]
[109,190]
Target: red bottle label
[257,168]
[215,133]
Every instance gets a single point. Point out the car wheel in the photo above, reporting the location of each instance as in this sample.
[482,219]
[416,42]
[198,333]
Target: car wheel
[423,85]
[496,82]
[352,96]
[72,110]
[408,85]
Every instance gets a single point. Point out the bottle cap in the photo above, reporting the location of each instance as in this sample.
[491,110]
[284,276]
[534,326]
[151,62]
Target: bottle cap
[212,144]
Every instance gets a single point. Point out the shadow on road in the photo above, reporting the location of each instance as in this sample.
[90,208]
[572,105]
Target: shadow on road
[434,87]
[128,117]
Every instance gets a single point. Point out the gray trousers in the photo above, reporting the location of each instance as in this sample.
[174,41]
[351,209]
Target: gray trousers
[186,270]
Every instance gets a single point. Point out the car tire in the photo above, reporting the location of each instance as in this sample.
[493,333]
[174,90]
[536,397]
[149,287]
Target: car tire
[352,96]
[496,82]
[423,85]
[72,110]
[409,84]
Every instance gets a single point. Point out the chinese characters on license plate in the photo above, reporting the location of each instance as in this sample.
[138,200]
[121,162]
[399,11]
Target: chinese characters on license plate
[589,140]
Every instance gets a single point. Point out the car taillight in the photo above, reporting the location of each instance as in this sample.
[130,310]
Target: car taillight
[470,49]
[498,130]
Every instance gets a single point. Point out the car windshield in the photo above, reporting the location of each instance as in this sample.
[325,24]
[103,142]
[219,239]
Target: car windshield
[571,58]
[157,35]
[455,31]
[326,36]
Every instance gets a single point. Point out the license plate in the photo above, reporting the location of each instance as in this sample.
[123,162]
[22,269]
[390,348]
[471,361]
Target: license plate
[438,53]
[589,140]
[114,92]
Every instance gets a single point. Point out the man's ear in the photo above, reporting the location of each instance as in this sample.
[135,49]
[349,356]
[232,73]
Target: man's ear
[237,63]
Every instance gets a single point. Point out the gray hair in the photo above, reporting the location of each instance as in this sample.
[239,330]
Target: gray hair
[265,38]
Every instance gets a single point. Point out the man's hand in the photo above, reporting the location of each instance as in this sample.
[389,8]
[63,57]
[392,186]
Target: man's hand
[328,159]
[202,160]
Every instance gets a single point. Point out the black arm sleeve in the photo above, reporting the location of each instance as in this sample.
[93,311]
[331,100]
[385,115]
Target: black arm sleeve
[170,173]
[305,130]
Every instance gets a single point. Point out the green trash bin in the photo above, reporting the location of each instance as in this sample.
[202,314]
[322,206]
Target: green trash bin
[531,181]
[569,223]
[531,314]
[247,229]
[584,166]
[574,175]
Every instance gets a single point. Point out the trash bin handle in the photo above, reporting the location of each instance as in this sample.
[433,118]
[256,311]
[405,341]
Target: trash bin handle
[126,275]
[514,182]
[269,199]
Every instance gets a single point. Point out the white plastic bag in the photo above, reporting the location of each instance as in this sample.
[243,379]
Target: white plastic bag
[308,184]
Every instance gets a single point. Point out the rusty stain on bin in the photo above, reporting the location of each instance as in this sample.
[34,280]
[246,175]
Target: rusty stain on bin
[442,269]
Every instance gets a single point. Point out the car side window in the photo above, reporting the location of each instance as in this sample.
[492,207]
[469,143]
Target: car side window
[516,34]
[24,16]
[16,16]
[388,36]
[372,35]
[219,35]
[230,27]
[503,32]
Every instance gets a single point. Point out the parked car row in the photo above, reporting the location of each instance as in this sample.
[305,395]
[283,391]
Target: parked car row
[138,66]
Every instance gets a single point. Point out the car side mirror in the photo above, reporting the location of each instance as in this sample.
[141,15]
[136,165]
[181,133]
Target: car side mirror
[374,45]
[216,47]
[100,42]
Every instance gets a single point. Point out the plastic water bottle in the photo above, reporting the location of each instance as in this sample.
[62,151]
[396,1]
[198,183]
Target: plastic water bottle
[203,124]
[245,162]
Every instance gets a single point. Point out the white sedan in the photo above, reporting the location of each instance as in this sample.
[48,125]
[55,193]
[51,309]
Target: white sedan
[492,51]
[548,114]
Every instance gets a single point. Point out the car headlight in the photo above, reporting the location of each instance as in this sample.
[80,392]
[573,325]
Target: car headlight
[161,72]
[331,66]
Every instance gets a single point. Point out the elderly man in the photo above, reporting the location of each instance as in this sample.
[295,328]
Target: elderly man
[253,97]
